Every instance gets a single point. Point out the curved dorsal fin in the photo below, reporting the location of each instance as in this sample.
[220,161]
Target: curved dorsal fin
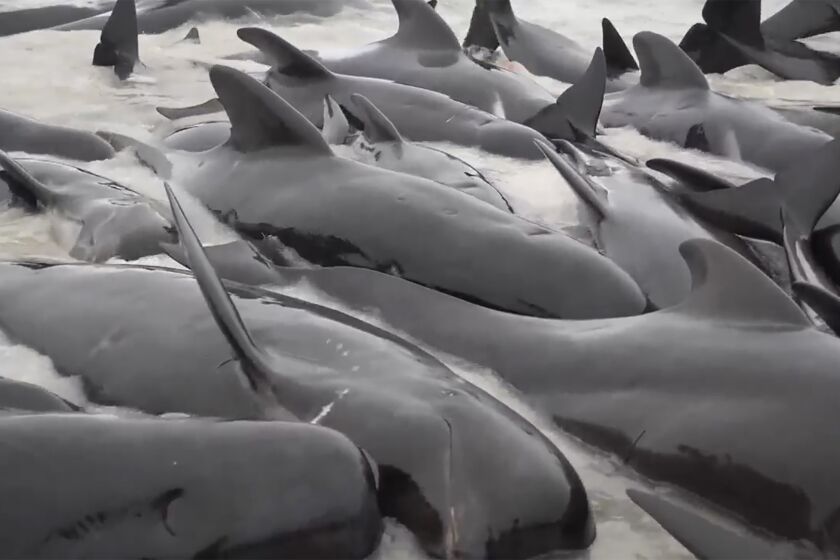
[811,185]
[259,118]
[751,210]
[578,109]
[378,128]
[576,180]
[118,45]
[287,58]
[618,56]
[255,364]
[421,27]
[665,65]
[726,286]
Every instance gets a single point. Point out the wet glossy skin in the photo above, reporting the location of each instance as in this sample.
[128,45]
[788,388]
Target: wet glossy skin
[30,19]
[333,212]
[476,480]
[96,487]
[22,134]
[115,220]
[18,395]
[736,408]
[155,19]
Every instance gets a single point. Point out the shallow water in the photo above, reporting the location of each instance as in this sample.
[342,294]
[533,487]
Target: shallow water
[48,76]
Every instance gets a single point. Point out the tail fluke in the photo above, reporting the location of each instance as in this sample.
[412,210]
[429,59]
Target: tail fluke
[118,43]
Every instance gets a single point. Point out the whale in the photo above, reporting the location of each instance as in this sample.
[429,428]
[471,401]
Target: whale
[381,144]
[801,19]
[114,220]
[673,102]
[545,52]
[277,181]
[13,22]
[425,53]
[733,36]
[637,222]
[19,133]
[424,115]
[157,16]
[197,488]
[700,396]
[797,209]
[20,396]
[477,481]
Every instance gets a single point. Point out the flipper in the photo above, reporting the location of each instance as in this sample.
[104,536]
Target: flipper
[421,27]
[805,190]
[739,20]
[260,118]
[238,261]
[378,128]
[578,109]
[336,129]
[665,65]
[580,184]
[481,32]
[148,155]
[823,302]
[207,108]
[118,43]
[256,365]
[618,57]
[23,183]
[701,536]
[802,18]
[692,178]
[287,59]
[830,110]
[726,286]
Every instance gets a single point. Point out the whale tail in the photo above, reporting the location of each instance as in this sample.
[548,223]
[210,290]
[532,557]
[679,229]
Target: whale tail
[481,33]
[575,114]
[118,45]
[707,44]
[618,56]
[801,19]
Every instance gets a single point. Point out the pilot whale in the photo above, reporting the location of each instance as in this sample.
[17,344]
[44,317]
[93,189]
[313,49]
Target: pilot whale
[733,36]
[477,479]
[21,396]
[637,223]
[276,179]
[544,52]
[92,487]
[157,16]
[115,220]
[673,102]
[23,134]
[42,17]
[702,395]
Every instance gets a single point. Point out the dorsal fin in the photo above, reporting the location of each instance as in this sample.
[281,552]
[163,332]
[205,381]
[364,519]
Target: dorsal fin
[118,45]
[192,36]
[665,65]
[481,32]
[692,178]
[577,181]
[259,118]
[255,364]
[751,210]
[726,286]
[700,535]
[618,57]
[378,128]
[336,129]
[823,302]
[804,190]
[578,109]
[286,58]
[740,20]
[421,27]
